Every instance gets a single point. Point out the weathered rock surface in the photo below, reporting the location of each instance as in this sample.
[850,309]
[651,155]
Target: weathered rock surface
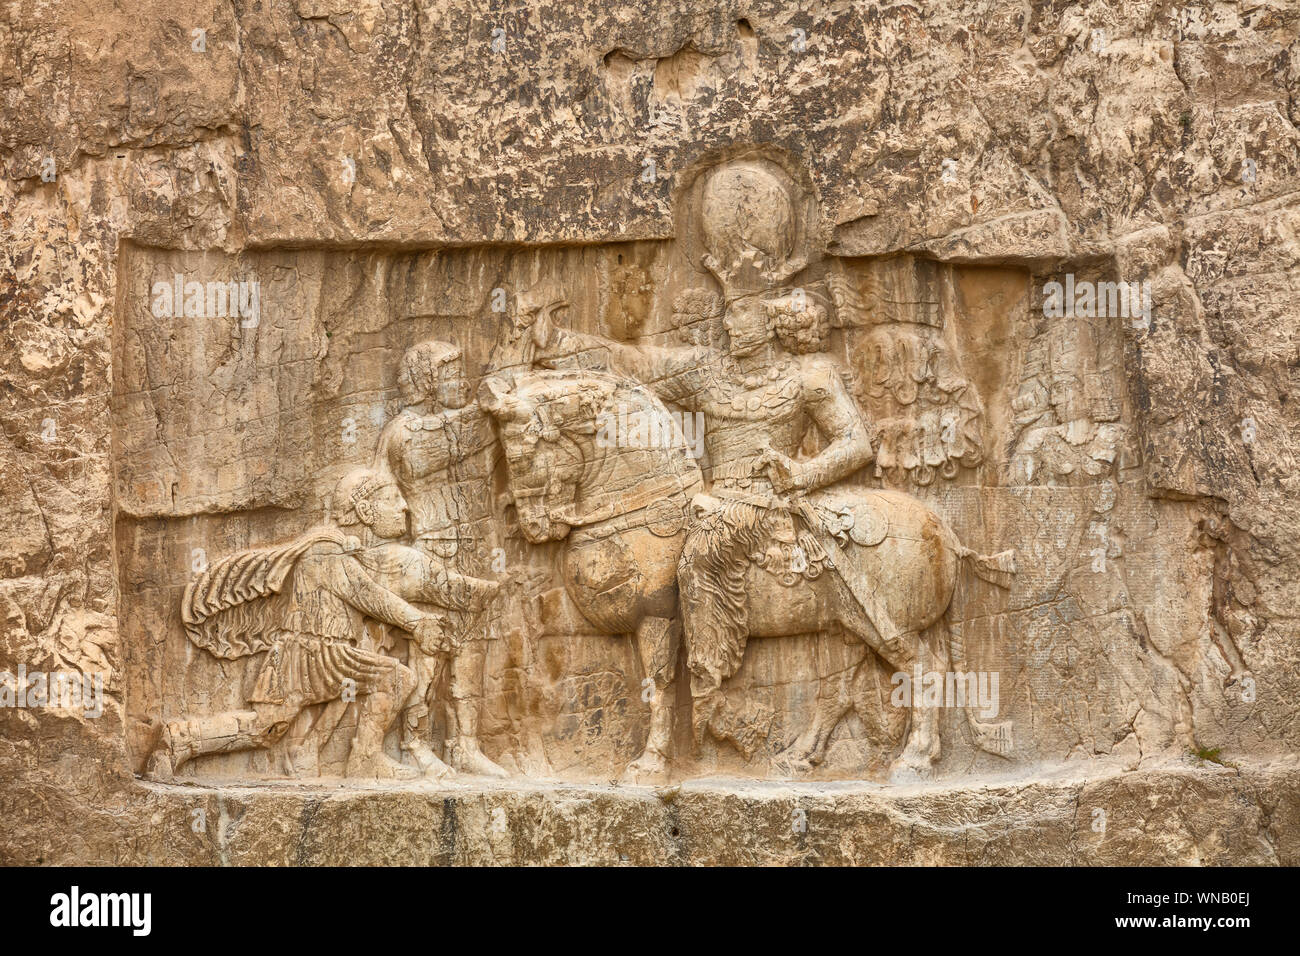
[1172,816]
[382,169]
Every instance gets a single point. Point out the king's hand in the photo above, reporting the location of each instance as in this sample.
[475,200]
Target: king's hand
[538,322]
[786,474]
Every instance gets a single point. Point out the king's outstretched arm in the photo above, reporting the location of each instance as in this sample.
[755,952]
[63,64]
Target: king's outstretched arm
[675,374]
[426,580]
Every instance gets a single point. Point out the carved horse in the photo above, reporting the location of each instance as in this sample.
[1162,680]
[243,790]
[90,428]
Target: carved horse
[622,508]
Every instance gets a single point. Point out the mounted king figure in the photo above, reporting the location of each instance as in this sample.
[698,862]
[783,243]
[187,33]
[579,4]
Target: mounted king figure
[764,509]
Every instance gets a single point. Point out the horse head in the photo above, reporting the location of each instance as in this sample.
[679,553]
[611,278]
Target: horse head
[546,420]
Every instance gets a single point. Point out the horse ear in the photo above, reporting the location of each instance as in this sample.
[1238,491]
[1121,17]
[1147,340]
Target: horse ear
[557,306]
[494,394]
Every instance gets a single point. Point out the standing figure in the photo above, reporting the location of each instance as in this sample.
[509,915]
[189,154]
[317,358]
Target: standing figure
[440,450]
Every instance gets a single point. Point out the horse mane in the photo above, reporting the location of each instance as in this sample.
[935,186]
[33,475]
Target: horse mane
[569,404]
[596,392]
[544,387]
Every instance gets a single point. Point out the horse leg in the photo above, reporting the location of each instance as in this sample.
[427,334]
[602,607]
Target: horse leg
[871,691]
[923,742]
[904,651]
[657,639]
[809,749]
[864,688]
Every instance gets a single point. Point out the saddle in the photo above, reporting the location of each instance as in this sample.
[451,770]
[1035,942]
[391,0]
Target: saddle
[855,515]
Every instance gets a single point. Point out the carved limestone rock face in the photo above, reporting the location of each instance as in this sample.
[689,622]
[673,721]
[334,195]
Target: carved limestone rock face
[649,401]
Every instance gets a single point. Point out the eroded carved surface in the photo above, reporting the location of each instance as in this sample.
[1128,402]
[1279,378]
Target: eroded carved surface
[741,507]
[944,166]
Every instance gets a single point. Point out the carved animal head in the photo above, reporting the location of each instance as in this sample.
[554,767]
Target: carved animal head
[545,421]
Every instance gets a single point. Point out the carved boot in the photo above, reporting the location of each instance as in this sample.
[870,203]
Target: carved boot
[166,758]
[302,761]
[468,758]
[367,758]
[430,764]
[415,747]
[467,689]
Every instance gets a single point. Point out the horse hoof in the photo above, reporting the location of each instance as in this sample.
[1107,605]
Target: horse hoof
[793,766]
[646,771]
[904,770]
[801,756]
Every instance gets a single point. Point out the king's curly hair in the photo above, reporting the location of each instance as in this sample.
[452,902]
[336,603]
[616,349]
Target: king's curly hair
[800,330]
